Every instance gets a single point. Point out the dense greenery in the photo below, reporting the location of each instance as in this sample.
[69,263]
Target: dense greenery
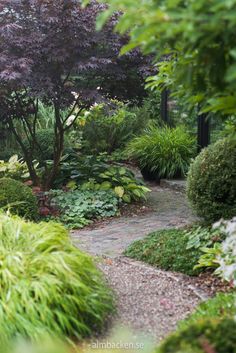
[166,249]
[196,38]
[164,152]
[121,181]
[212,181]
[47,285]
[79,207]
[210,326]
[205,334]
[19,198]
[222,305]
[108,127]
[14,168]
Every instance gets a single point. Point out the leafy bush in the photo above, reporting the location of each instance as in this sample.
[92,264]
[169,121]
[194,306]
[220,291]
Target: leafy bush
[212,181]
[47,285]
[109,127]
[199,237]
[223,304]
[79,207]
[45,145]
[96,173]
[19,198]
[164,152]
[166,249]
[15,168]
[122,181]
[203,336]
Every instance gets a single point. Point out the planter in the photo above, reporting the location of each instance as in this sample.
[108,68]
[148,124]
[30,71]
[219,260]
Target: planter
[148,175]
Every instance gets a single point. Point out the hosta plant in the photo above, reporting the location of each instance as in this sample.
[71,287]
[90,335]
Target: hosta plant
[47,285]
[14,168]
[121,181]
[163,152]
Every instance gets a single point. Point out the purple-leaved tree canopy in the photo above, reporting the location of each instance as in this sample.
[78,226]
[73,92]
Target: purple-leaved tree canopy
[49,49]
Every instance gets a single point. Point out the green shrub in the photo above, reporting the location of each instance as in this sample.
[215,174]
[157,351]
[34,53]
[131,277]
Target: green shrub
[14,168]
[166,249]
[224,304]
[212,181]
[122,181]
[109,127]
[203,336]
[47,285]
[79,207]
[45,145]
[18,197]
[164,152]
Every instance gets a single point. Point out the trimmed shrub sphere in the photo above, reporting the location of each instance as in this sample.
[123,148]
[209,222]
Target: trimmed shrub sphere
[211,185]
[48,287]
[19,198]
[203,336]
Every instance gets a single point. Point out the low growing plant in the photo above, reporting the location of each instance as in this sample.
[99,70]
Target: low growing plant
[14,168]
[166,249]
[79,207]
[120,180]
[47,285]
[163,152]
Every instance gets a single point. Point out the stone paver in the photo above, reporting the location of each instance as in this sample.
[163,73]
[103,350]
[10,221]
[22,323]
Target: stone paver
[169,209]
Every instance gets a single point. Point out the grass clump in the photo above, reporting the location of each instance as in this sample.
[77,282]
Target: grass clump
[165,152]
[166,249]
[48,287]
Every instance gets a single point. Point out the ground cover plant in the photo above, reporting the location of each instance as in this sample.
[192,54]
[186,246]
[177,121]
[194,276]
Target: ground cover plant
[211,185]
[163,152]
[78,208]
[166,249]
[18,198]
[47,285]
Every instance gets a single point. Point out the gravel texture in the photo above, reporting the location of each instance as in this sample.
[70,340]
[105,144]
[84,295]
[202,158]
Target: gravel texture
[149,300]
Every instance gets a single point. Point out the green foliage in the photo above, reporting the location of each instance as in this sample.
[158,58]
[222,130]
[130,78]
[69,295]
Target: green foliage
[79,207]
[203,336]
[164,151]
[44,148]
[47,285]
[109,127]
[210,257]
[197,37]
[19,198]
[15,168]
[122,181]
[166,249]
[199,237]
[211,185]
[223,305]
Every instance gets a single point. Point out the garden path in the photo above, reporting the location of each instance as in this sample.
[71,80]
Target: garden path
[149,300]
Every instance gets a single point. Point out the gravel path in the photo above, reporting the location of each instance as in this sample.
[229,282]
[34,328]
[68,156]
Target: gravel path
[149,300]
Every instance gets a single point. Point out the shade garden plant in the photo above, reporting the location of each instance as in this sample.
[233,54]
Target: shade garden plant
[211,185]
[163,152]
[48,287]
